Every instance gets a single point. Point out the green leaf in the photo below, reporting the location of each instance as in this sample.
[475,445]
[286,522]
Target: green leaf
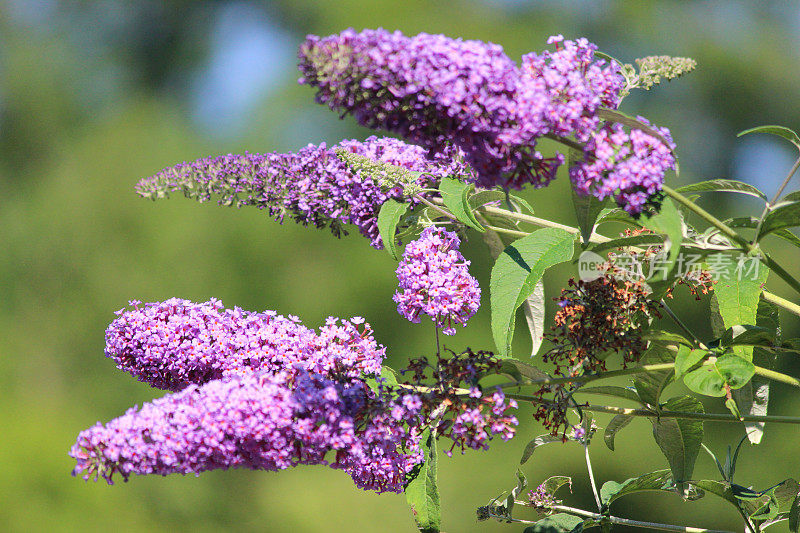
[745,335]
[660,480]
[515,275]
[668,222]
[722,185]
[635,240]
[650,385]
[612,390]
[786,216]
[387,374]
[533,306]
[752,222]
[587,208]
[520,370]
[686,359]
[737,292]
[616,214]
[535,443]
[791,197]
[728,370]
[717,488]
[554,483]
[680,438]
[422,492]
[667,337]
[780,131]
[556,523]
[779,496]
[522,482]
[614,426]
[794,515]
[455,195]
[388,217]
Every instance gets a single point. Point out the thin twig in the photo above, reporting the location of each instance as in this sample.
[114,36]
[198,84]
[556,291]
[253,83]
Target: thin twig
[613,519]
[715,417]
[591,476]
[772,202]
[683,326]
[747,246]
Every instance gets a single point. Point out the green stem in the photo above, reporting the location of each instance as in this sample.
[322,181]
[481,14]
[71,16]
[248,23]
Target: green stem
[575,145]
[513,232]
[435,207]
[596,238]
[747,246]
[536,221]
[634,523]
[777,376]
[786,181]
[681,325]
[782,302]
[769,205]
[586,378]
[708,217]
[715,417]
[591,477]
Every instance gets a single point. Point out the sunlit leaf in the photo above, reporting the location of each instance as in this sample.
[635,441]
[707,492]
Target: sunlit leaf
[422,492]
[615,425]
[780,131]
[723,185]
[455,195]
[680,438]
[515,275]
[388,217]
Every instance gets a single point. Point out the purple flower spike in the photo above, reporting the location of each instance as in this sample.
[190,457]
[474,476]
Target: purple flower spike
[312,186]
[433,90]
[434,280]
[252,422]
[628,167]
[177,343]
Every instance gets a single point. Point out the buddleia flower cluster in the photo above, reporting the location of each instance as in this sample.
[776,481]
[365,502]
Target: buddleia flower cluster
[175,343]
[263,391]
[313,186]
[626,166]
[434,91]
[255,390]
[434,280]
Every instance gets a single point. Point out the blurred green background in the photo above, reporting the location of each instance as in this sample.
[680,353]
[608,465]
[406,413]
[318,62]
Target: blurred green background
[95,95]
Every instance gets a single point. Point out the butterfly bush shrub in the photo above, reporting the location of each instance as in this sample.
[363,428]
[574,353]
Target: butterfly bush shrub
[263,391]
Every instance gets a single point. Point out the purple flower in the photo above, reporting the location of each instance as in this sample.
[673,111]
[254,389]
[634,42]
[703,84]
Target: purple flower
[574,85]
[312,186]
[255,422]
[434,280]
[628,167]
[176,343]
[433,90]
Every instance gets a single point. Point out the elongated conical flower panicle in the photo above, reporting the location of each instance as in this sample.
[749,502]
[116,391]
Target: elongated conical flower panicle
[177,343]
[626,166]
[434,279]
[429,89]
[312,186]
[252,422]
[432,90]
